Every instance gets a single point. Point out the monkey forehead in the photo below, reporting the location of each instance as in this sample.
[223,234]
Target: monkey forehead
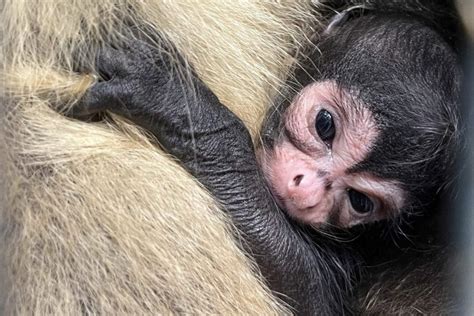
[356,127]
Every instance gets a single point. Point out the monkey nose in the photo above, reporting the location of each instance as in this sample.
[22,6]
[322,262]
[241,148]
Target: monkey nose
[301,181]
[297,180]
[305,190]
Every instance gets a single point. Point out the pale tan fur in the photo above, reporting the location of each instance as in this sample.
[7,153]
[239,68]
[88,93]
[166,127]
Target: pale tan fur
[466,10]
[94,218]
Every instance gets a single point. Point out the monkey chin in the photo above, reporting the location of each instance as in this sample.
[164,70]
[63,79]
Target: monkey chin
[307,217]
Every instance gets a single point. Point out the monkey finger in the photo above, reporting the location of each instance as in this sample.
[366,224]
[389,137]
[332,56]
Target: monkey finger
[98,98]
[111,63]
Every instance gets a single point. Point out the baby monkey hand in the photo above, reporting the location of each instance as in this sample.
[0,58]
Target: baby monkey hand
[146,85]
[137,81]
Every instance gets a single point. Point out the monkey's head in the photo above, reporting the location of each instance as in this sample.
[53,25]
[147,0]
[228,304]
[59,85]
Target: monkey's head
[369,128]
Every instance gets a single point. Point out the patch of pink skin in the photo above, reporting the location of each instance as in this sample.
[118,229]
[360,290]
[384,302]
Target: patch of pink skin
[310,180]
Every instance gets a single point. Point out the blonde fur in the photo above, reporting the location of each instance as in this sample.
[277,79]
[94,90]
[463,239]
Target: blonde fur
[94,218]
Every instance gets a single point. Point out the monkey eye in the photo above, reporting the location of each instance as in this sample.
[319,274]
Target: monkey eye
[325,126]
[360,202]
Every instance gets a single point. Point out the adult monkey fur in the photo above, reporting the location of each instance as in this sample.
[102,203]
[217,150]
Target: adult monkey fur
[73,244]
[86,246]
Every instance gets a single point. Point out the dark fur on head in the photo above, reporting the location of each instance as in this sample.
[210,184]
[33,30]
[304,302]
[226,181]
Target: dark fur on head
[409,77]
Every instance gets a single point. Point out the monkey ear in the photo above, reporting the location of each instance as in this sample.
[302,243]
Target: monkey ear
[341,17]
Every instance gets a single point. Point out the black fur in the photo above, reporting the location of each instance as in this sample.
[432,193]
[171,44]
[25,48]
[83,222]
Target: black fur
[410,79]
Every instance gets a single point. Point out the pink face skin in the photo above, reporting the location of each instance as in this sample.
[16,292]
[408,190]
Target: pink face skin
[311,179]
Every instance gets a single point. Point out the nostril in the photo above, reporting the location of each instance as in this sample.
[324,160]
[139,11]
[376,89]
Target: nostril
[297,180]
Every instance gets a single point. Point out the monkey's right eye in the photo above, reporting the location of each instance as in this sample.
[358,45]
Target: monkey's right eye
[325,126]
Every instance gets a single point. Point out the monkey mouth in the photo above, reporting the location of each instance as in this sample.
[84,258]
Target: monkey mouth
[297,214]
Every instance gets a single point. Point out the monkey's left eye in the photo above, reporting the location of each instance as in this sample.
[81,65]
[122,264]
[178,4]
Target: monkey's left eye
[325,126]
[360,202]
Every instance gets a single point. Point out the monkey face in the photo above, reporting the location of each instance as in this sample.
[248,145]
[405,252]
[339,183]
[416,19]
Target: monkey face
[371,130]
[309,169]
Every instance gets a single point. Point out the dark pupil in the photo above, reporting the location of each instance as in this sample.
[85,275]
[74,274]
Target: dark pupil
[325,126]
[360,202]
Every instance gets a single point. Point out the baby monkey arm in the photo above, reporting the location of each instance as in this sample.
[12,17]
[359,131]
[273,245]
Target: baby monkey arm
[213,144]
